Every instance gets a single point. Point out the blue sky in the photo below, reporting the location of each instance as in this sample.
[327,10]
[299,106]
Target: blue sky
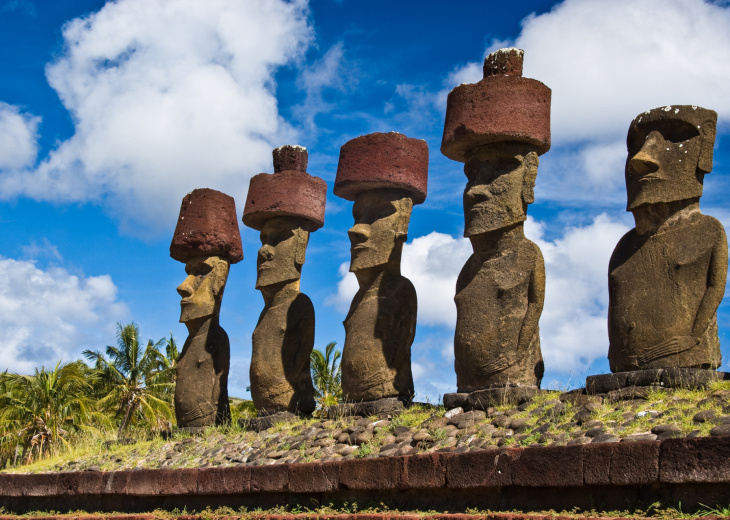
[111,112]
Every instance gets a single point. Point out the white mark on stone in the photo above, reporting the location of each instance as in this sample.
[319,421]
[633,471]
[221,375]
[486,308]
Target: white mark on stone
[676,110]
[667,108]
[694,107]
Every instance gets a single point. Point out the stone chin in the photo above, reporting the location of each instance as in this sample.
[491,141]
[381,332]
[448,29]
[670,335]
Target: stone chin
[479,220]
[657,190]
[267,276]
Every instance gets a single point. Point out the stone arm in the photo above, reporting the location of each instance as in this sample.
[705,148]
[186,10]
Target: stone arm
[302,314]
[535,300]
[715,290]
[398,323]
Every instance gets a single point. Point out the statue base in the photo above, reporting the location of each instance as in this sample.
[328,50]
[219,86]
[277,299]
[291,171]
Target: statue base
[688,378]
[266,421]
[490,397]
[387,405]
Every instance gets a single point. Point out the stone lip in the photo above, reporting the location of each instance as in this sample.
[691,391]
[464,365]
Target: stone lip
[502,107]
[690,378]
[285,194]
[488,397]
[383,160]
[207,226]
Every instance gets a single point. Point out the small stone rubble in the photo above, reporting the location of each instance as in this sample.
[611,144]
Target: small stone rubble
[554,419]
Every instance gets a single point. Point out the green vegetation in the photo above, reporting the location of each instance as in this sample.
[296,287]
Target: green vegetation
[326,376]
[73,408]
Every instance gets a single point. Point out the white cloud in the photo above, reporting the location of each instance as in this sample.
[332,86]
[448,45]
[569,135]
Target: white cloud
[605,66]
[18,138]
[346,289]
[432,263]
[167,97]
[51,315]
[327,72]
[573,325]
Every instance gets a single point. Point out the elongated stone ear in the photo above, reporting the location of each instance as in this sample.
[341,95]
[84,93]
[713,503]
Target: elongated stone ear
[220,276]
[302,238]
[708,132]
[531,161]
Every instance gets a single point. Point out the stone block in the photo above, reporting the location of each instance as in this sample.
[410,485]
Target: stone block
[387,405]
[597,464]
[456,400]
[424,471]
[270,478]
[285,194]
[383,160]
[554,466]
[502,107]
[290,158]
[699,459]
[314,477]
[382,473]
[207,226]
[488,468]
[635,463]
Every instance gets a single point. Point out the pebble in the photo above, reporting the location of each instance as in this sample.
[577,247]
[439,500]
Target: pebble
[721,430]
[704,416]
[453,412]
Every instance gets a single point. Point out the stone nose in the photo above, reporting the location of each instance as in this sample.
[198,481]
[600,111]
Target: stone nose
[476,194]
[185,289]
[359,233]
[266,253]
[643,163]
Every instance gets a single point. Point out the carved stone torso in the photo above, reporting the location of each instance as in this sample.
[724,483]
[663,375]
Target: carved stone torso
[280,362]
[201,391]
[656,284]
[491,304]
[379,331]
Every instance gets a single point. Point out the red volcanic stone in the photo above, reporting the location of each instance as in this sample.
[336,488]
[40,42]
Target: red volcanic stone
[555,466]
[424,471]
[285,194]
[700,459]
[635,463]
[314,477]
[488,468]
[383,473]
[380,160]
[207,226]
[290,157]
[269,478]
[499,108]
[505,62]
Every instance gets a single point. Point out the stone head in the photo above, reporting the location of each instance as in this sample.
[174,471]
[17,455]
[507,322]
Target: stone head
[202,289]
[381,227]
[501,182]
[669,153]
[283,247]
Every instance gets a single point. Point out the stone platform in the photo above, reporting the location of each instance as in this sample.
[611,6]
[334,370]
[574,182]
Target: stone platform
[388,405]
[483,399]
[264,422]
[689,378]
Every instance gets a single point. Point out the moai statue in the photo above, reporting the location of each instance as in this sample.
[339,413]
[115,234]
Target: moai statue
[207,240]
[667,275]
[385,175]
[285,207]
[498,127]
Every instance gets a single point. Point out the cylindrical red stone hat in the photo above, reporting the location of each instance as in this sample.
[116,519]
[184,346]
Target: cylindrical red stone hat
[207,226]
[380,160]
[288,192]
[502,107]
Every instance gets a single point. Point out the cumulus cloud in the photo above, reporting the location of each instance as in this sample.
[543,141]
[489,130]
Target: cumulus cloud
[18,138]
[322,74]
[166,97]
[51,315]
[604,67]
[573,326]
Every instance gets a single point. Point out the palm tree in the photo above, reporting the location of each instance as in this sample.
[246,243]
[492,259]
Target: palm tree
[326,375]
[130,373]
[37,412]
